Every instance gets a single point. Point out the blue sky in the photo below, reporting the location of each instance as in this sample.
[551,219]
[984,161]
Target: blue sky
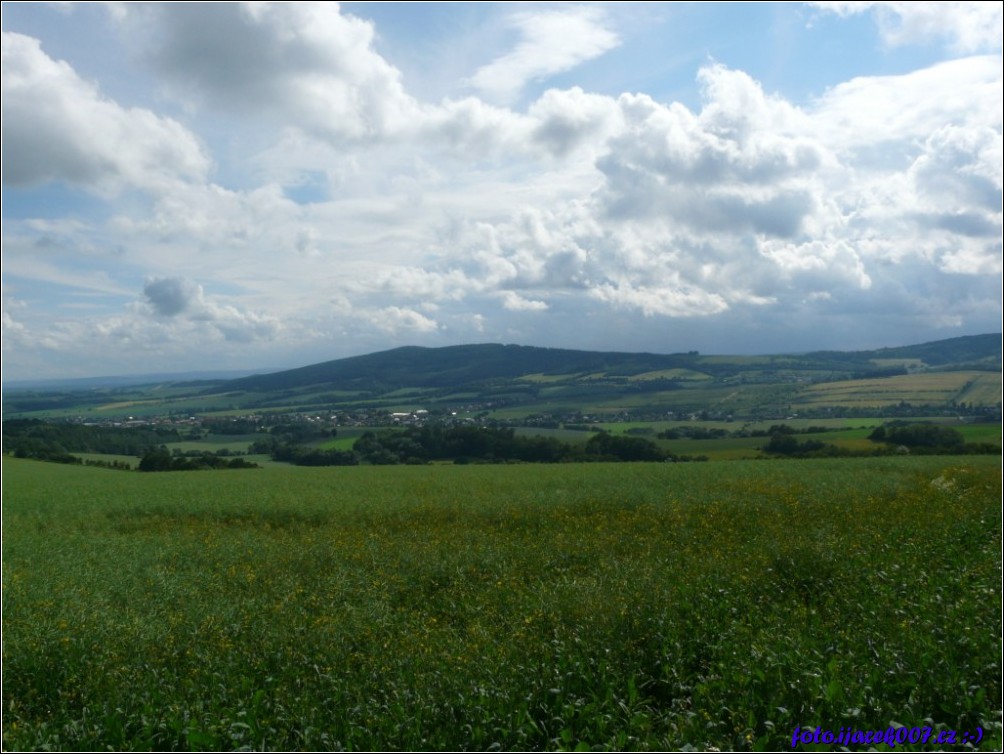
[229,186]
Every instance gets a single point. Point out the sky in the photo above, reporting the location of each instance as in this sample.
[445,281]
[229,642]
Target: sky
[215,186]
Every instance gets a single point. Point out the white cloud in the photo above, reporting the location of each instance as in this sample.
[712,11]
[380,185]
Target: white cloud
[134,340]
[744,163]
[668,302]
[551,42]
[172,296]
[564,120]
[310,69]
[425,285]
[965,26]
[960,171]
[921,169]
[747,203]
[303,64]
[312,72]
[58,127]
[516,303]
[362,218]
[816,264]
[473,128]
[868,112]
[395,320]
[11,327]
[180,304]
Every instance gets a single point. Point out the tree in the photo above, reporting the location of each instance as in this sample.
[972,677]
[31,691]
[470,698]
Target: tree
[156,460]
[624,448]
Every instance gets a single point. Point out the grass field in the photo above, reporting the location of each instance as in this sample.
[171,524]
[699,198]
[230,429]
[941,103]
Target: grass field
[214,443]
[845,433]
[629,606]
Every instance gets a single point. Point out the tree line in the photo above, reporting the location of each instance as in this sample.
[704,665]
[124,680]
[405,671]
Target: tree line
[894,437]
[56,441]
[160,460]
[470,444]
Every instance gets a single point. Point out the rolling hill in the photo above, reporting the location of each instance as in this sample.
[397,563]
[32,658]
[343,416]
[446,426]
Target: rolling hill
[513,381]
[466,365]
[457,366]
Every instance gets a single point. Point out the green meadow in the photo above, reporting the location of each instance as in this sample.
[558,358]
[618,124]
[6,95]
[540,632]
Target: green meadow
[532,607]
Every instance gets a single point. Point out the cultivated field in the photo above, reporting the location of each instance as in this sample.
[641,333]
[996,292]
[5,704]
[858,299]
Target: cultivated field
[919,389]
[627,606]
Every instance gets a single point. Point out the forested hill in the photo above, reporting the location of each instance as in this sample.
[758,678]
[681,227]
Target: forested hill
[459,365]
[453,366]
[964,352]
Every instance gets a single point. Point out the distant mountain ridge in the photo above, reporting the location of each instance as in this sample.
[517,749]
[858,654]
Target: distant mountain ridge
[121,381]
[965,349]
[955,375]
[453,366]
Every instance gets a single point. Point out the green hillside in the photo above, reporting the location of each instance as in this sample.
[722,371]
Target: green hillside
[512,380]
[460,365]
[454,366]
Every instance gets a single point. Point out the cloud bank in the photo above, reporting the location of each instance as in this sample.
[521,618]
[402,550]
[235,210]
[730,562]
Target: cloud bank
[290,172]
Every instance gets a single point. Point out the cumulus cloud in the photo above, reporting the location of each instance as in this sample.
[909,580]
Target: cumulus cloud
[184,301]
[58,127]
[551,42]
[311,69]
[11,328]
[921,169]
[868,112]
[473,128]
[956,193]
[743,164]
[84,342]
[370,218]
[750,201]
[960,170]
[516,303]
[239,326]
[395,319]
[744,202]
[669,302]
[171,296]
[816,265]
[425,284]
[303,64]
[564,119]
[965,26]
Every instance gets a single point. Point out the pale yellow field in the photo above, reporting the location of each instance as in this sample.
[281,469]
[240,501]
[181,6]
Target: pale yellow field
[125,404]
[540,377]
[908,363]
[671,374]
[985,389]
[938,387]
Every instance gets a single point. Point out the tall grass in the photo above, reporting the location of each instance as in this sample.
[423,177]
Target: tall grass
[630,606]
